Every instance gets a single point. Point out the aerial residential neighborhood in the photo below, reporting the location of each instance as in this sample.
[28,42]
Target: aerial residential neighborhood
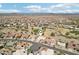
[39,33]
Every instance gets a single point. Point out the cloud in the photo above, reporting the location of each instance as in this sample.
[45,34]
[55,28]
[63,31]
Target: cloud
[65,5]
[64,8]
[58,8]
[72,4]
[57,5]
[34,8]
[37,8]
[51,8]
[71,11]
[9,11]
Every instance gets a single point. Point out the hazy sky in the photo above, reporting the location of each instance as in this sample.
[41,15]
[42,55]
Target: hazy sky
[39,8]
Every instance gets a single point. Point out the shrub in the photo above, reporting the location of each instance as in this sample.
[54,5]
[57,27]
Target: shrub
[67,33]
[52,34]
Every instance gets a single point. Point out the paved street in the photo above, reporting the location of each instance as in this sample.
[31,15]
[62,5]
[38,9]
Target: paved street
[42,45]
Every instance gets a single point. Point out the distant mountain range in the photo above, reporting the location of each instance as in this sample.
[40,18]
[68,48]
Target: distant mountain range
[6,14]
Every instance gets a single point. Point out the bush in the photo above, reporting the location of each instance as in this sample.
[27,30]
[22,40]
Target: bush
[67,33]
[36,31]
[75,32]
[52,34]
[1,34]
[29,50]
